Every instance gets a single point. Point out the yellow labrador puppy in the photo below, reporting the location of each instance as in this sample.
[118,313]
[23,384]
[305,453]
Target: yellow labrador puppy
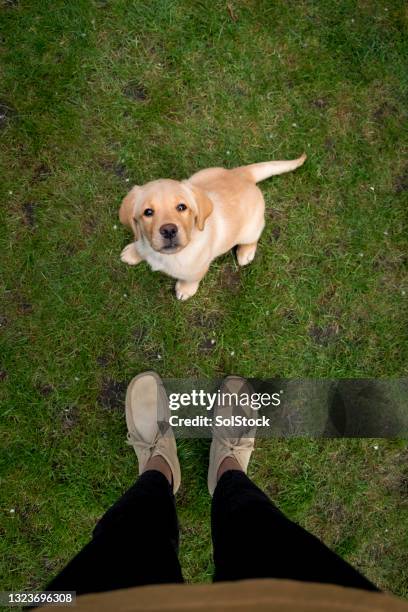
[181,226]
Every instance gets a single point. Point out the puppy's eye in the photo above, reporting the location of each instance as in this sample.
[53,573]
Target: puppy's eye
[148,212]
[180,207]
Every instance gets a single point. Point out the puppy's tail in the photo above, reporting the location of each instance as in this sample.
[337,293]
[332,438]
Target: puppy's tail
[260,172]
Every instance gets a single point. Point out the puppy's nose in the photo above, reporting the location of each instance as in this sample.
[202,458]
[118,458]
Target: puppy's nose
[168,231]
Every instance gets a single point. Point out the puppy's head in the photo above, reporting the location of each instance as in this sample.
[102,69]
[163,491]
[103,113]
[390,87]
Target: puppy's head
[165,212]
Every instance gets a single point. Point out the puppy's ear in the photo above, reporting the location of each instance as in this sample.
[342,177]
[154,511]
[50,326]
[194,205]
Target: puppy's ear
[204,207]
[127,211]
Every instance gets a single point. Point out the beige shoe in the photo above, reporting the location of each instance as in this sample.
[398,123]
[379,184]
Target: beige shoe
[230,440]
[147,418]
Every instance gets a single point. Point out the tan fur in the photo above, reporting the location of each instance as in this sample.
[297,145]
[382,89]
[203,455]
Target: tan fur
[224,208]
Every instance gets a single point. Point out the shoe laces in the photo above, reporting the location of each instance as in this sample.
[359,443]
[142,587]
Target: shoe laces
[141,445]
[242,445]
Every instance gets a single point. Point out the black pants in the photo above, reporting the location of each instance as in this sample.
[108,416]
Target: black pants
[136,542]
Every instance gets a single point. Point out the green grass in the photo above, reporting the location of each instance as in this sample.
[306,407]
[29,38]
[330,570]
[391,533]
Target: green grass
[98,95]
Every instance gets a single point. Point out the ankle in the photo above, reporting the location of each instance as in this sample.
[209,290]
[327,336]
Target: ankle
[229,463]
[159,464]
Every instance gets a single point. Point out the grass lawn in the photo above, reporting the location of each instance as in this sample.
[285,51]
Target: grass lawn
[98,95]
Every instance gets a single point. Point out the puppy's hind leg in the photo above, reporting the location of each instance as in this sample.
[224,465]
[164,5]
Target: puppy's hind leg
[130,255]
[246,253]
[248,240]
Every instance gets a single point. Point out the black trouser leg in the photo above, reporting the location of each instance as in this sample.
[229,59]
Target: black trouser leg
[134,543]
[253,539]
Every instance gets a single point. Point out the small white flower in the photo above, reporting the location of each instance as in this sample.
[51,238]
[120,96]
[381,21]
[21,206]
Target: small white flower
[403,292]
[76,378]
[228,152]
[125,295]
[361,254]
[372,188]
[232,353]
[127,180]
[212,341]
[375,447]
[115,227]
[294,124]
[12,510]
[352,21]
[10,193]
[385,233]
[386,531]
[159,356]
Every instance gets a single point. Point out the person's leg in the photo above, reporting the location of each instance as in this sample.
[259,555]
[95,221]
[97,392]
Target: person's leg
[253,539]
[136,541]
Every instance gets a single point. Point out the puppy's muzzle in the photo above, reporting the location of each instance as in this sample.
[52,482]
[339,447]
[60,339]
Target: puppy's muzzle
[169,232]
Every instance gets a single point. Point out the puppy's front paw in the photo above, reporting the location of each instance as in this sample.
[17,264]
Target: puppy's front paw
[185,290]
[130,255]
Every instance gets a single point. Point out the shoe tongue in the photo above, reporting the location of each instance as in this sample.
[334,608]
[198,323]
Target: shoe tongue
[163,427]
